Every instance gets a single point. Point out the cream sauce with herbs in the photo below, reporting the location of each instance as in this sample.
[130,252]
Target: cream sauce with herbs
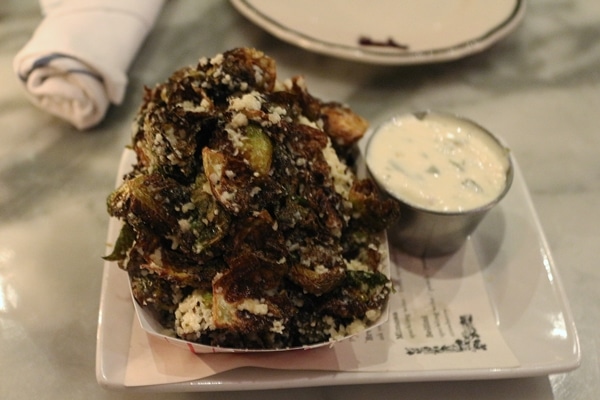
[438,163]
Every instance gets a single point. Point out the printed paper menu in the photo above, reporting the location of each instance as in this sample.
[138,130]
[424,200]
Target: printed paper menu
[440,318]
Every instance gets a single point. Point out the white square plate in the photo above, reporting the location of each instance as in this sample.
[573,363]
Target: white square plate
[522,282]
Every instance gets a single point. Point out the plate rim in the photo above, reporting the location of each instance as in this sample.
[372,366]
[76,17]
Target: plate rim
[112,347]
[366,55]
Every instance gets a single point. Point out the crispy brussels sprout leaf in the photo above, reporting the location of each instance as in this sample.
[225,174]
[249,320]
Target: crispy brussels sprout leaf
[362,291]
[224,313]
[369,209]
[342,124]
[122,245]
[257,149]
[214,163]
[154,294]
[213,222]
[142,202]
[239,303]
[316,282]
[367,280]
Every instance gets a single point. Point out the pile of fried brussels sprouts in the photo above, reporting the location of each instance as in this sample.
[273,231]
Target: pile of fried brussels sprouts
[243,224]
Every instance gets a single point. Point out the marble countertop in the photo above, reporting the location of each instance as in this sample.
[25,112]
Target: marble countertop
[539,89]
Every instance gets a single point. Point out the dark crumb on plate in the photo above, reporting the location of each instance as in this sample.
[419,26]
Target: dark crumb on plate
[390,42]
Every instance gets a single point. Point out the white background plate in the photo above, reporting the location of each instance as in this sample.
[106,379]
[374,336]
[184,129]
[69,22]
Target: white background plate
[522,282]
[433,30]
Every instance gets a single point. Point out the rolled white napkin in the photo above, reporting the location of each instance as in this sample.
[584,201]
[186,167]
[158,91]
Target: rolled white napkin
[75,64]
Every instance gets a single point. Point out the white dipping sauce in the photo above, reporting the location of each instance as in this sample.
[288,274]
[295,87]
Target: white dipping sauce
[440,163]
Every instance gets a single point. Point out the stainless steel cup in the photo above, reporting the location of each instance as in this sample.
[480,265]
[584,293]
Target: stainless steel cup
[427,233]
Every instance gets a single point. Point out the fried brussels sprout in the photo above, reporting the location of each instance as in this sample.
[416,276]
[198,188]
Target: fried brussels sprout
[242,225]
[257,149]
